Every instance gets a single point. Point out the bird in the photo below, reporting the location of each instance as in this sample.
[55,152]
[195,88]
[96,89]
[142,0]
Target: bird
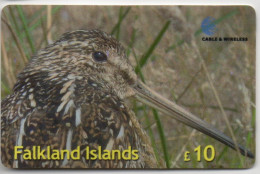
[73,94]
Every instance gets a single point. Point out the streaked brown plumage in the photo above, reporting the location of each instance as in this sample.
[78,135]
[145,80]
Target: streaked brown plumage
[72,94]
[64,95]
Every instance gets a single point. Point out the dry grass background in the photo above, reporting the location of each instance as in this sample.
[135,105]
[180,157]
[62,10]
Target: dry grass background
[173,68]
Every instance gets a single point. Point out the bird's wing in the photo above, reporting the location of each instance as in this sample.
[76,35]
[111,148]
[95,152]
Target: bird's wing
[97,119]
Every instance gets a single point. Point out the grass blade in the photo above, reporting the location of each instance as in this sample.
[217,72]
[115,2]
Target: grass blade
[25,26]
[17,42]
[9,73]
[14,22]
[250,137]
[146,56]
[49,22]
[39,21]
[162,137]
[151,135]
[18,29]
[35,17]
[130,46]
[6,89]
[120,19]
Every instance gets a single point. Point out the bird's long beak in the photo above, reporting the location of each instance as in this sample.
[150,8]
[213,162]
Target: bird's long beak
[153,99]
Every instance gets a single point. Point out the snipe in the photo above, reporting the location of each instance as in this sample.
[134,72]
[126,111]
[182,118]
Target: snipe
[72,94]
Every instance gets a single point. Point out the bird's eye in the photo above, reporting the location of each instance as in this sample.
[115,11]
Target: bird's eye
[99,56]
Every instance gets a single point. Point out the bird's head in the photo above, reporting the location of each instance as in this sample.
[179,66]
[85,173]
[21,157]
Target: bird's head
[92,53]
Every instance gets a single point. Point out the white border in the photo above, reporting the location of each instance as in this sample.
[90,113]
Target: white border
[254,3]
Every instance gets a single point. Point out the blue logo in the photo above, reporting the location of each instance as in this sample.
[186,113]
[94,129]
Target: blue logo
[208,26]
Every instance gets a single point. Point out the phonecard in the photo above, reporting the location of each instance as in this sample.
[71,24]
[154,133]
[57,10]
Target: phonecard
[146,87]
